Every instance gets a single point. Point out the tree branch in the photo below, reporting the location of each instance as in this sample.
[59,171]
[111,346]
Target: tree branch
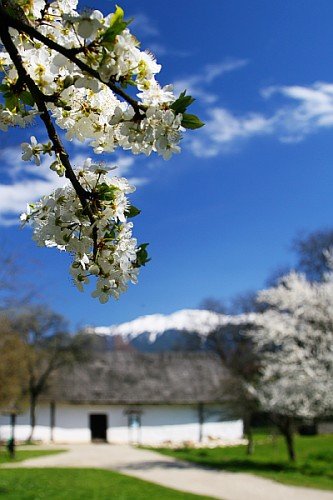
[40,99]
[71,55]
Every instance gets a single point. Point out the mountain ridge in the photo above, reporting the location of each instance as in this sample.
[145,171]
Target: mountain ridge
[184,329]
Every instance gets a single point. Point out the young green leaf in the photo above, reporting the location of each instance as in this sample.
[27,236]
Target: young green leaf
[181,104]
[191,121]
[117,26]
[142,255]
[4,88]
[118,16]
[106,192]
[11,101]
[27,98]
[132,211]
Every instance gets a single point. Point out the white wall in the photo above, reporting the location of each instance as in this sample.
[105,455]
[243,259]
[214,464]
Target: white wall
[158,423]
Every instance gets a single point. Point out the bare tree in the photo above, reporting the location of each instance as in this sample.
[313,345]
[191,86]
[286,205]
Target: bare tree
[49,347]
[310,252]
[235,349]
[16,286]
[214,305]
[246,302]
[275,276]
[13,367]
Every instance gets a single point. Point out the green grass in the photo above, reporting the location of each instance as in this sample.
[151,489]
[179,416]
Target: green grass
[25,454]
[314,466]
[81,484]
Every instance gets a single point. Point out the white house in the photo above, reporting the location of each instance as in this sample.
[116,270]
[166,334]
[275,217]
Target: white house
[129,397]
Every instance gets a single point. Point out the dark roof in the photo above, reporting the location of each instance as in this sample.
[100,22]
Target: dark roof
[136,378]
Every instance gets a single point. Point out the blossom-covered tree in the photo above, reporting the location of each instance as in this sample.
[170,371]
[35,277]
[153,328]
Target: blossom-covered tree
[294,340]
[84,73]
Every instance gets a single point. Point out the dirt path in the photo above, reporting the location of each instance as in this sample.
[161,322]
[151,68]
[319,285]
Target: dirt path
[174,473]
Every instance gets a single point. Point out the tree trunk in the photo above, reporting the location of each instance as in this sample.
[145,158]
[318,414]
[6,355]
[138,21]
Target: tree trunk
[33,404]
[289,437]
[200,420]
[250,442]
[286,427]
[249,435]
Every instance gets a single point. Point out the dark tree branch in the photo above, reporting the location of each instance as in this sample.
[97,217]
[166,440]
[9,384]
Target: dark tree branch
[70,54]
[40,100]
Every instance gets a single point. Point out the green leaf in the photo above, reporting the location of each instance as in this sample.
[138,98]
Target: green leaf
[182,103]
[27,98]
[103,187]
[110,34]
[106,192]
[68,81]
[191,121]
[11,101]
[117,26]
[118,16]
[4,88]
[142,255]
[110,235]
[132,211]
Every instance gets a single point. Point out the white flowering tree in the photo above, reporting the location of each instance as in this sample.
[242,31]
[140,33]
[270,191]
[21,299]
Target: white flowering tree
[84,76]
[294,340]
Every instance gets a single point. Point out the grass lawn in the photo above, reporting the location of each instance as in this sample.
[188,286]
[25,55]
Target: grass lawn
[24,455]
[81,484]
[314,466]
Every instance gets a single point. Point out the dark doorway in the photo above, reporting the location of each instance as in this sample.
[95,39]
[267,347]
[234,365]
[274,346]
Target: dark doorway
[98,426]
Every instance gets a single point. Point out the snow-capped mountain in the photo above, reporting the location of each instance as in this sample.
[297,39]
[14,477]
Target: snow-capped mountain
[185,329]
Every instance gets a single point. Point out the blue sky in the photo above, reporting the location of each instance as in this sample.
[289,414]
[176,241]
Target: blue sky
[221,215]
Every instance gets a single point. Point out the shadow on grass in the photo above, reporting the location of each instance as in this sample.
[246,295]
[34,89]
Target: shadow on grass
[162,464]
[252,466]
[248,466]
[313,467]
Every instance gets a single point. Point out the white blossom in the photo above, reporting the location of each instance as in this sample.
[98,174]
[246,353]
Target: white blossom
[91,106]
[32,150]
[58,220]
[88,108]
[294,339]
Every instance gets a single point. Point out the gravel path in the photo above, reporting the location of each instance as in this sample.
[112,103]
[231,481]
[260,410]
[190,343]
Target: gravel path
[173,473]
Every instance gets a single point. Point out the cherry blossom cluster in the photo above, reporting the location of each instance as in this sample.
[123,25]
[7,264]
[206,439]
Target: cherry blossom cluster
[84,104]
[108,124]
[85,73]
[105,249]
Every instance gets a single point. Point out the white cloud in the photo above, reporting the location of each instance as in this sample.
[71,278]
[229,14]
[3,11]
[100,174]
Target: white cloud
[123,164]
[28,184]
[196,85]
[161,50]
[14,197]
[144,26]
[307,110]
[223,129]
[138,181]
[313,109]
